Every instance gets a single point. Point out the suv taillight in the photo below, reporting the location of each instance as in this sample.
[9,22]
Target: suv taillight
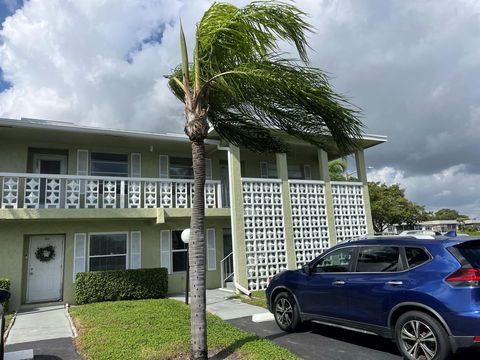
[465,277]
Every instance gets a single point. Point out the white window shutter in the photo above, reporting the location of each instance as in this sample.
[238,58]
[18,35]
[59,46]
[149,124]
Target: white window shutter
[307,172]
[136,165]
[79,253]
[135,250]
[263,170]
[211,253]
[208,169]
[82,162]
[165,245]
[164,165]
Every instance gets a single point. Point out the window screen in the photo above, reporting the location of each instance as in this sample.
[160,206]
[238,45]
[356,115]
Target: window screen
[108,252]
[181,168]
[103,164]
[378,259]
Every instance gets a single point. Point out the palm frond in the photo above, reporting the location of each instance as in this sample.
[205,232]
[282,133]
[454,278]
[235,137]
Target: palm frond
[278,94]
[229,36]
[251,90]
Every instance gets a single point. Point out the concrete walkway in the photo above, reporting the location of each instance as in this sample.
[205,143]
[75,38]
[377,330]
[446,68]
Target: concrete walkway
[219,303]
[46,330]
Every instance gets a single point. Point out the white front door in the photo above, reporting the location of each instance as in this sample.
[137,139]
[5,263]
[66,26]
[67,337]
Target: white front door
[45,278]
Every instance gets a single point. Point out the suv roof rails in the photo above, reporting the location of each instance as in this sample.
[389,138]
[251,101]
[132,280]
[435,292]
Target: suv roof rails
[375,237]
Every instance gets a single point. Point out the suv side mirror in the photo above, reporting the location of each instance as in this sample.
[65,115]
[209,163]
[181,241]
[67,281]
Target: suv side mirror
[4,295]
[306,269]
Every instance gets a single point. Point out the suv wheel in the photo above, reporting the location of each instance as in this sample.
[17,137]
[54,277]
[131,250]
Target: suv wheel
[286,312]
[420,337]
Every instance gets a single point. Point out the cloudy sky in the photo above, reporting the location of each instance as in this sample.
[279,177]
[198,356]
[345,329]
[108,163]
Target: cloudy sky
[412,66]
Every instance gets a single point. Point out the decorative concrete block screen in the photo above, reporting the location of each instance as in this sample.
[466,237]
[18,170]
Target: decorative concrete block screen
[264,230]
[74,192]
[349,210]
[309,216]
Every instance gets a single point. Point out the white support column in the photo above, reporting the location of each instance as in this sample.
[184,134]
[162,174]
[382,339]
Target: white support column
[325,176]
[282,172]
[362,176]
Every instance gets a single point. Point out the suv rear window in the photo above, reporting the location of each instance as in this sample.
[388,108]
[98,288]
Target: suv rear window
[378,259]
[471,252]
[416,256]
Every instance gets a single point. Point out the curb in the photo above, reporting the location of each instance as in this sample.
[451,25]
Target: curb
[262,317]
[5,335]
[70,320]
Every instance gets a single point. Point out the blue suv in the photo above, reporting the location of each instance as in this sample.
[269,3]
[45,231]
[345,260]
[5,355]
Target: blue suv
[422,293]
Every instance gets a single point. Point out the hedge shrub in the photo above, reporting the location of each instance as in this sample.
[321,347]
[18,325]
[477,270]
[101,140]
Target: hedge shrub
[113,285]
[5,284]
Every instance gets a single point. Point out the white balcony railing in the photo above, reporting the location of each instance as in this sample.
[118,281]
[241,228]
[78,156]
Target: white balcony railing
[85,192]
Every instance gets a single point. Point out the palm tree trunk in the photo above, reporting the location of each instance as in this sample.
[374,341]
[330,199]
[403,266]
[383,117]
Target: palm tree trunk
[197,256]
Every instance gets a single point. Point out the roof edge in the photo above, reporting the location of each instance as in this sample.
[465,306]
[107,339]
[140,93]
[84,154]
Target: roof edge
[30,123]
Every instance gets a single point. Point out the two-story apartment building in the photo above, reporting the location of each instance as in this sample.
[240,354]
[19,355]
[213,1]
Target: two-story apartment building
[75,198]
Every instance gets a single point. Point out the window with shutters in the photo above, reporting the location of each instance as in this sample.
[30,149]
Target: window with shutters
[171,244]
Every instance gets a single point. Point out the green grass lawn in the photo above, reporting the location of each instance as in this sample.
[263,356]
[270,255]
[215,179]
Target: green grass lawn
[8,318]
[159,329]
[257,298]
[470,232]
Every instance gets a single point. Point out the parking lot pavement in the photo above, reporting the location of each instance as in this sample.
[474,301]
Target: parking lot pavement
[322,342]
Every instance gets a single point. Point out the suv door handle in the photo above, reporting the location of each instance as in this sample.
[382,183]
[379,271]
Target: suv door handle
[394,283]
[338,282]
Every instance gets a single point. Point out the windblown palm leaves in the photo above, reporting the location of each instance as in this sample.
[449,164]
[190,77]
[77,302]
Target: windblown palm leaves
[249,89]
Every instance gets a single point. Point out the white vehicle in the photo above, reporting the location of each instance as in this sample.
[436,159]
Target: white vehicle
[419,232]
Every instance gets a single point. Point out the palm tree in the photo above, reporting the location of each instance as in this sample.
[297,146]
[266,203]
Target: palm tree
[240,84]
[337,169]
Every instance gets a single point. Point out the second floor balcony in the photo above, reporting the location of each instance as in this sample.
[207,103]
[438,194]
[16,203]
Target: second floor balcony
[36,191]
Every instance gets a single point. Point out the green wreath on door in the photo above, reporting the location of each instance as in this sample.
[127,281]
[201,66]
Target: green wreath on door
[45,254]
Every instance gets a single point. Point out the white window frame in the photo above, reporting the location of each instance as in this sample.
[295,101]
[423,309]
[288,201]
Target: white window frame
[127,247]
[37,157]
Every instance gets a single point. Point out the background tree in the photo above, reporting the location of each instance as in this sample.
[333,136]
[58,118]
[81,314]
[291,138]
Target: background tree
[241,84]
[390,206]
[448,214]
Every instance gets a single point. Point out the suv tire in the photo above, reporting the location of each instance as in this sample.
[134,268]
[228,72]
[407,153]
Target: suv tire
[286,312]
[419,336]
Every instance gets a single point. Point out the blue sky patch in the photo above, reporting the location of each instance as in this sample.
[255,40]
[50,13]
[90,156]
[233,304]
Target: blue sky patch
[154,38]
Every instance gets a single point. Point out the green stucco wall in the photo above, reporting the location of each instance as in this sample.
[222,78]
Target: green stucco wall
[14,249]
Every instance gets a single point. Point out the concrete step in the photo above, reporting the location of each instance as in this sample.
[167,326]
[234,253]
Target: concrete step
[230,286]
[19,355]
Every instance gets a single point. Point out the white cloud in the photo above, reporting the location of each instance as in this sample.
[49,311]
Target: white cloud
[91,62]
[411,66]
[453,187]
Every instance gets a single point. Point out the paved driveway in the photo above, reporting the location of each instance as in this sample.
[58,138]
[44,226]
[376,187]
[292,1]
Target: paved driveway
[322,342]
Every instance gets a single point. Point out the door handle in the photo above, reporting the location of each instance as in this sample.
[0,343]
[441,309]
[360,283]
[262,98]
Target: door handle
[338,282]
[394,283]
